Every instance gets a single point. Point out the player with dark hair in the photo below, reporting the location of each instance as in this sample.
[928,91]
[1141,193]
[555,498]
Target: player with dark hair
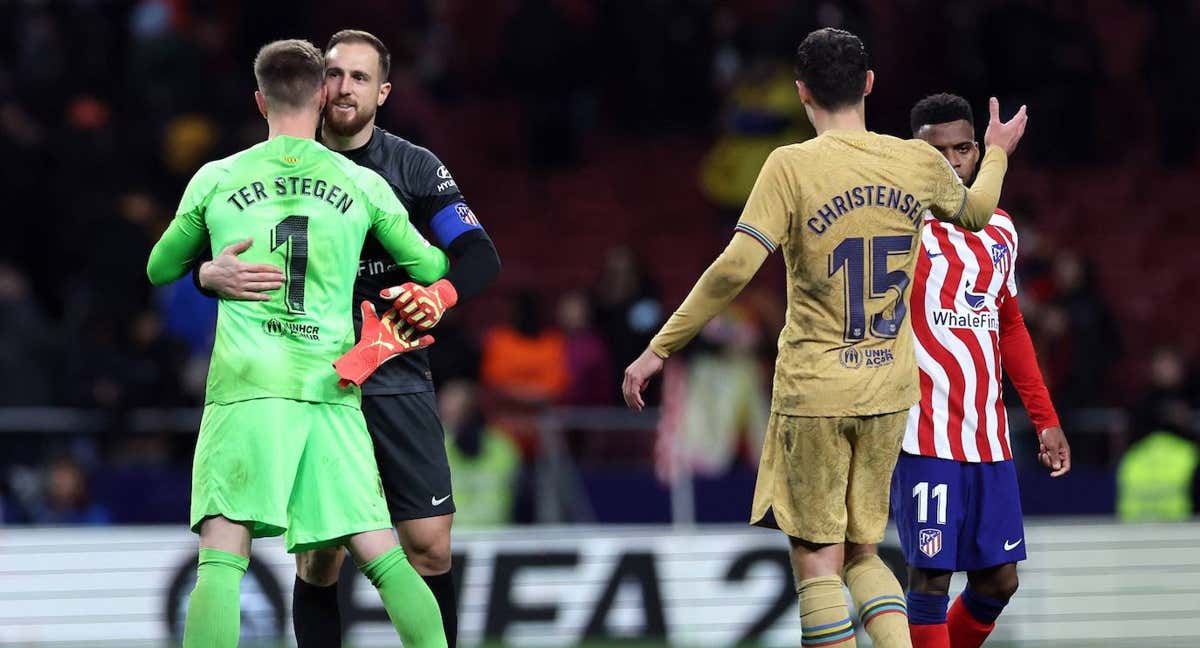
[283,448]
[847,208]
[954,494]
[398,400]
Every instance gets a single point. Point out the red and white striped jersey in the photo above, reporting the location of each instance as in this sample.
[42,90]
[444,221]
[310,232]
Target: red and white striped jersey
[961,279]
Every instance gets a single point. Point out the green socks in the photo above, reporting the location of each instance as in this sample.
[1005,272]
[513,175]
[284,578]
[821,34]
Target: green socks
[409,603]
[214,617]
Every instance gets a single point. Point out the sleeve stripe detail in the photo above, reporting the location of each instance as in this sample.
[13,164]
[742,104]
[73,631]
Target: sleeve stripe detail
[748,229]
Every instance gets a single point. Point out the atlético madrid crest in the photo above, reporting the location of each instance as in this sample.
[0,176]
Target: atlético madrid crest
[930,541]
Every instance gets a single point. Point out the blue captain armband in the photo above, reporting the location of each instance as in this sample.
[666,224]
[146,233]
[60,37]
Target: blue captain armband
[453,221]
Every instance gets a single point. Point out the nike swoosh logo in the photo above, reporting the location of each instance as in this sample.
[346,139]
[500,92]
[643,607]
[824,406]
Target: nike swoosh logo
[1010,547]
[934,255]
[438,502]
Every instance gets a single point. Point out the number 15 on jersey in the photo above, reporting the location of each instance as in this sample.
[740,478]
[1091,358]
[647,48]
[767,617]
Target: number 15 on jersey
[849,258]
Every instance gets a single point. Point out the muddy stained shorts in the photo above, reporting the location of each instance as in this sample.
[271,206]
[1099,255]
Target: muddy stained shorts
[828,479]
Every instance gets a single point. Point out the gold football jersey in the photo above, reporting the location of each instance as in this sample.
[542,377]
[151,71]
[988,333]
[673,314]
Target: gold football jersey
[846,209]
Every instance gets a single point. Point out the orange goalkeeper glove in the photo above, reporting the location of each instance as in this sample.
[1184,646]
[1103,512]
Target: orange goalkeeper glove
[381,340]
[422,306]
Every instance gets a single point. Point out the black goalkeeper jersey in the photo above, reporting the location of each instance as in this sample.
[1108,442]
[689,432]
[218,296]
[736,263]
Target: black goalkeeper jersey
[438,210]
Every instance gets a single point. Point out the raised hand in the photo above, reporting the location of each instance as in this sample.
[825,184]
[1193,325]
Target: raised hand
[1004,135]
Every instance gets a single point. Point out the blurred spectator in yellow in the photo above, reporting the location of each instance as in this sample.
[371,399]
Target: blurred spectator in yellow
[67,500]
[188,140]
[761,114]
[485,463]
[726,403]
[1158,479]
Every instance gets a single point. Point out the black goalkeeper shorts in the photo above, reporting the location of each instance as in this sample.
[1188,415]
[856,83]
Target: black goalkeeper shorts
[411,452]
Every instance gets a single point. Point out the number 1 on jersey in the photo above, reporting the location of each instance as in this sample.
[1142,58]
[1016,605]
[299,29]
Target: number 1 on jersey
[294,229]
[850,254]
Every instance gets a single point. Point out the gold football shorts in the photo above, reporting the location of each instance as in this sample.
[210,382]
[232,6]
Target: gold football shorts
[827,479]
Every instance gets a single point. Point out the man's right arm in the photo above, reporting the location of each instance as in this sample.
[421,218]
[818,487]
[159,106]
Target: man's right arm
[764,224]
[970,207]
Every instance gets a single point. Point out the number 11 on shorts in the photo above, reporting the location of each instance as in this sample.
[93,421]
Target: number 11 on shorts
[922,492]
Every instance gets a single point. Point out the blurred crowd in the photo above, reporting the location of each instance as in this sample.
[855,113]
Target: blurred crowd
[106,109]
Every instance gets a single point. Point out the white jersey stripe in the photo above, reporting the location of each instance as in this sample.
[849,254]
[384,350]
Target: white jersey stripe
[941,380]
[991,355]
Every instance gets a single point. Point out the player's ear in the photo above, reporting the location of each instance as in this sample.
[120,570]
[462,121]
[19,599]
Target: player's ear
[261,102]
[384,90]
[870,83]
[324,97]
[804,92]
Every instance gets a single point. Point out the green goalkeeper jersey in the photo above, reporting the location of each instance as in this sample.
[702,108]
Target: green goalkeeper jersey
[308,210]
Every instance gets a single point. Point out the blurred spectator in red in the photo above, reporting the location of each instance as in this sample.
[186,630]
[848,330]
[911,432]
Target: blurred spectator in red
[486,464]
[591,373]
[628,307]
[1081,340]
[66,499]
[524,361]
[27,352]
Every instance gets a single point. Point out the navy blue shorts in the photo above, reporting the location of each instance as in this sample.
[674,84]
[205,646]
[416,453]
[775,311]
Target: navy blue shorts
[957,516]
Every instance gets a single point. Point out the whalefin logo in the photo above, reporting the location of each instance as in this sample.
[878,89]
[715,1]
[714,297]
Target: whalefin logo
[975,301]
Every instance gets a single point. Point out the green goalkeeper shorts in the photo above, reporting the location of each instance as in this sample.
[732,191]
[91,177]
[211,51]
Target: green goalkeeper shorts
[293,468]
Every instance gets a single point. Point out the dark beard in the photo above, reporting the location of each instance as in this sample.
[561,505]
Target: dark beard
[352,127]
